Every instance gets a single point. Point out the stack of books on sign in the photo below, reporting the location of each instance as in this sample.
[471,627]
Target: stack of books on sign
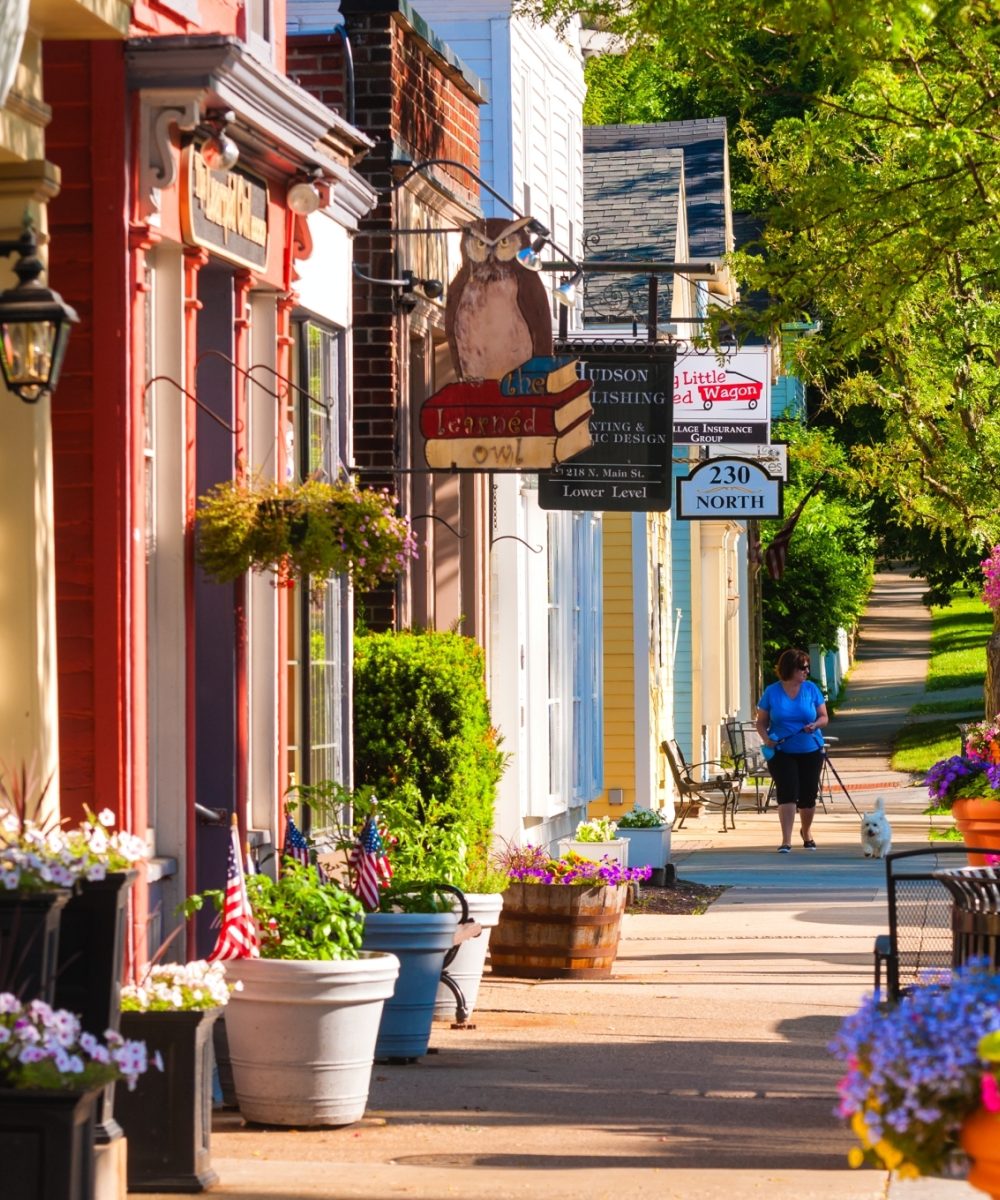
[535,417]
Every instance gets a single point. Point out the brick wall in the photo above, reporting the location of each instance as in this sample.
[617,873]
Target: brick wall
[414,105]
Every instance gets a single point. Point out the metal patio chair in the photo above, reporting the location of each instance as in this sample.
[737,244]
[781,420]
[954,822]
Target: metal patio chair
[721,791]
[749,760]
[920,940]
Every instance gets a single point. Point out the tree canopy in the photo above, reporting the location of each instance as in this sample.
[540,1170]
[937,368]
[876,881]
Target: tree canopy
[866,134]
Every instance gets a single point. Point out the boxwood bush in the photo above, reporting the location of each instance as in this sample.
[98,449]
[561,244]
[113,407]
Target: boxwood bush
[424,741]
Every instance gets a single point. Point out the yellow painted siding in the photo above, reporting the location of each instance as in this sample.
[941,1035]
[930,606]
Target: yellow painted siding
[619,665]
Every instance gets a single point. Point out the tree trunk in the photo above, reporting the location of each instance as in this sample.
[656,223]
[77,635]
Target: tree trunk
[991,688]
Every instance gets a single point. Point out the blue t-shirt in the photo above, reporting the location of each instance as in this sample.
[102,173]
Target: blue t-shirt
[787,716]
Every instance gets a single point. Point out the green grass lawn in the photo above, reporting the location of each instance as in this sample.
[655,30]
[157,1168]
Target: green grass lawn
[970,708]
[958,644]
[959,633]
[918,747]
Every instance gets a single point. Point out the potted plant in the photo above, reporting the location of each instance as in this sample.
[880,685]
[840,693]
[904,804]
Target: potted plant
[51,1074]
[425,744]
[916,1075]
[968,786]
[407,914]
[302,1027]
[92,932]
[483,886]
[598,838]
[167,1117]
[561,917]
[46,872]
[311,529]
[648,833]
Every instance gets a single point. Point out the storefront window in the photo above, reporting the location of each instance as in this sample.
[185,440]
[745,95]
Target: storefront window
[319,662]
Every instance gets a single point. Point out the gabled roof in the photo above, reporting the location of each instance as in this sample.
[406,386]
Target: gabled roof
[631,203]
[703,144]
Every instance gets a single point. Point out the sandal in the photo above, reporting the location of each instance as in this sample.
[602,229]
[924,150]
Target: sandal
[786,849]
[809,845]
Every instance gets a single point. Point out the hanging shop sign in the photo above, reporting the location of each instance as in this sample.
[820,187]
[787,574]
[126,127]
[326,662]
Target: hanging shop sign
[773,457]
[516,405]
[225,212]
[729,489]
[627,469]
[723,398]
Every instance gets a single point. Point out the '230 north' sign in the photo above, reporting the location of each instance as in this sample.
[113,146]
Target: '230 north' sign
[727,489]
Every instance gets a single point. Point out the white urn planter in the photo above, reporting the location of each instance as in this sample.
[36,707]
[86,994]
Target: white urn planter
[616,850]
[648,847]
[466,968]
[13,25]
[302,1036]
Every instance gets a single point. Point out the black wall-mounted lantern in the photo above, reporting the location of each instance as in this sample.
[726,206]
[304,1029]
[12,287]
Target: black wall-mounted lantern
[34,325]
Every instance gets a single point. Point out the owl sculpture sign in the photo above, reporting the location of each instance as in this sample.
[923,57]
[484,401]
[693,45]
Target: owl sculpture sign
[515,406]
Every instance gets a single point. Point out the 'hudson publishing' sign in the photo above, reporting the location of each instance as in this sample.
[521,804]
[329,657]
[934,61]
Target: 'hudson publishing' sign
[627,467]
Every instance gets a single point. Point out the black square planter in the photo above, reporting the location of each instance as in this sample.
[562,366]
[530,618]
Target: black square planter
[47,1144]
[168,1118]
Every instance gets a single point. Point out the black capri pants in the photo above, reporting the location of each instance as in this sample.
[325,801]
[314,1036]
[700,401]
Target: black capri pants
[796,777]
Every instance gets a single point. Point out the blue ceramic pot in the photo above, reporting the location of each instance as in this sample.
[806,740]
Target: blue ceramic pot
[420,941]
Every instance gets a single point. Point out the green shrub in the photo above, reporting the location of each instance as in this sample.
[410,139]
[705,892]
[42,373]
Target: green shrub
[424,741]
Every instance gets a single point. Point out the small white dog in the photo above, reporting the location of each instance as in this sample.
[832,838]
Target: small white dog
[876,832]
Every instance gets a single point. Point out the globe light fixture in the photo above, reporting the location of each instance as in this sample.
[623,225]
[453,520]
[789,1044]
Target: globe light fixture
[34,325]
[218,151]
[303,197]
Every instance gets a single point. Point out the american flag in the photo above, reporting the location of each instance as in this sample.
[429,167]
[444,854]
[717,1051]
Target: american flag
[296,845]
[238,935]
[777,552]
[370,865]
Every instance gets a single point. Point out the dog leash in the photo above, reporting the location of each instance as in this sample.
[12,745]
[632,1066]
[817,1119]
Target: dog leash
[768,751]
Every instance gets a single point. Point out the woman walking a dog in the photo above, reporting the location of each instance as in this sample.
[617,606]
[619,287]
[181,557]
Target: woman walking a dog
[790,714]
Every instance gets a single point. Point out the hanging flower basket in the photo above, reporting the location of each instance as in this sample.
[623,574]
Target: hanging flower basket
[302,530]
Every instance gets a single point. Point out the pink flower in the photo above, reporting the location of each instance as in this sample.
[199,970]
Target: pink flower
[990,1091]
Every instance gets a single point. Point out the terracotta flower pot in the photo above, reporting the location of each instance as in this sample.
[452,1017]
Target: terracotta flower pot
[978,822]
[980,1138]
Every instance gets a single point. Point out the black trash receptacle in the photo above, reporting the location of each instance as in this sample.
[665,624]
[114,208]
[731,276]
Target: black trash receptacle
[975,916]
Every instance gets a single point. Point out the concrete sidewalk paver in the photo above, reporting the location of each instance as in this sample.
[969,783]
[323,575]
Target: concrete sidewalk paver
[700,1069]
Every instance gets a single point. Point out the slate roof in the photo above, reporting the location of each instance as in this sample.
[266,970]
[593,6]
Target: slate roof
[703,144]
[630,210]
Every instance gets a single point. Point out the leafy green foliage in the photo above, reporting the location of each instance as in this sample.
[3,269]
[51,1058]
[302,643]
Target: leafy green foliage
[297,530]
[863,133]
[830,561]
[425,744]
[642,818]
[599,829]
[298,917]
[301,918]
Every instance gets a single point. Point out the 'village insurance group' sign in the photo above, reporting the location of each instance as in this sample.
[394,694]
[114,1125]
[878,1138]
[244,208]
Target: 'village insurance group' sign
[720,400]
[627,467]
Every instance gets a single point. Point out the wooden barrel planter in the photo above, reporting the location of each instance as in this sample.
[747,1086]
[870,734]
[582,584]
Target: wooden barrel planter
[557,931]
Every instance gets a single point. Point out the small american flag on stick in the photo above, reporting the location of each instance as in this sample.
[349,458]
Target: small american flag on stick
[238,935]
[369,863]
[296,845]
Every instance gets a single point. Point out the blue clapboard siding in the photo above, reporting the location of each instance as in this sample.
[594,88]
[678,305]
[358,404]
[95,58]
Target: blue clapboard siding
[680,556]
[483,44]
[788,398]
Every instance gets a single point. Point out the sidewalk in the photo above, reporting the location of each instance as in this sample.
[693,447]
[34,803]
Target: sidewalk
[700,1069]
